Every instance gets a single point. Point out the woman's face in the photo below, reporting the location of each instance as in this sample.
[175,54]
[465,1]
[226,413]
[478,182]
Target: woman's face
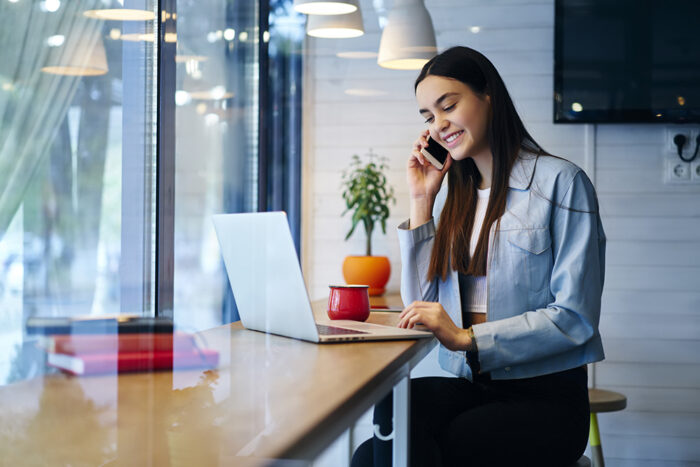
[457,118]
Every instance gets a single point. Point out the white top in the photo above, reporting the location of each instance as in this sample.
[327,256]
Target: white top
[474,300]
[479,215]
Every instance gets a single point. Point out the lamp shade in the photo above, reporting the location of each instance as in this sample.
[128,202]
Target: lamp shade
[335,26]
[82,56]
[326,7]
[121,14]
[408,40]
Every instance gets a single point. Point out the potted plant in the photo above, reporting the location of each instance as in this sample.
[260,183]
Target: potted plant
[367,195]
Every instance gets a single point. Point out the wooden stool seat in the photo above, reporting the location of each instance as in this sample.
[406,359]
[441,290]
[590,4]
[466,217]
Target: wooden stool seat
[601,401]
[606,401]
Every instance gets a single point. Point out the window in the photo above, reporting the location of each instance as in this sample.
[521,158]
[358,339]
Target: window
[120,136]
[77,152]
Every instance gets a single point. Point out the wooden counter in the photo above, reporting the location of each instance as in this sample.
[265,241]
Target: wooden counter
[271,398]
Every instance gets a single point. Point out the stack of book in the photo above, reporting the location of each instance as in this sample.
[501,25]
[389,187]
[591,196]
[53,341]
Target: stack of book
[118,345]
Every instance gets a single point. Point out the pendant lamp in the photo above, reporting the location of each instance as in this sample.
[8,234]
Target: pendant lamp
[326,7]
[408,40]
[83,56]
[336,26]
[120,14]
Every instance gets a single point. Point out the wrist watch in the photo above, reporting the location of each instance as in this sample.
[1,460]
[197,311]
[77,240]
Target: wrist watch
[472,353]
[472,341]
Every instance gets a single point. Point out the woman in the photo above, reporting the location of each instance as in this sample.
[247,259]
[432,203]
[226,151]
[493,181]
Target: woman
[509,281]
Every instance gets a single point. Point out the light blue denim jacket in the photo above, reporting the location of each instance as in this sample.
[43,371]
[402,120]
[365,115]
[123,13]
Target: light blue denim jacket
[544,277]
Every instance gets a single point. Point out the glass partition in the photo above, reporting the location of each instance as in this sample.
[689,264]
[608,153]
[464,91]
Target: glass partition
[227,95]
[216,140]
[77,151]
[97,142]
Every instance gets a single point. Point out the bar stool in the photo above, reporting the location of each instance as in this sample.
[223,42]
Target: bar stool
[601,401]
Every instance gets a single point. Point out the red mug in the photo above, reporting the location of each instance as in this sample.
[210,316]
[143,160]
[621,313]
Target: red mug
[348,302]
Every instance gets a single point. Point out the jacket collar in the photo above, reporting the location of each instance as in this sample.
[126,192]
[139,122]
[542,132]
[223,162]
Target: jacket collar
[522,171]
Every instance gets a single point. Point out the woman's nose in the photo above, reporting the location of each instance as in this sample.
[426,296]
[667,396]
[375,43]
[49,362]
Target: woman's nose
[441,124]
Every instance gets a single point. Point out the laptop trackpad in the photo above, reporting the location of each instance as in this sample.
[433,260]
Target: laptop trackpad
[358,327]
[324,330]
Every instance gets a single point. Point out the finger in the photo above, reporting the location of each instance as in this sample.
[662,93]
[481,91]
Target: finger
[404,321]
[405,310]
[415,319]
[406,316]
[400,323]
[408,309]
[416,304]
[416,307]
[418,157]
[422,140]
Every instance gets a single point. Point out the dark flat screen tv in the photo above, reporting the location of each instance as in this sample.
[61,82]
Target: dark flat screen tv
[621,61]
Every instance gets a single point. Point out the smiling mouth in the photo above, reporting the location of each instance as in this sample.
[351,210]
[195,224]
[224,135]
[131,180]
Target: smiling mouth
[453,136]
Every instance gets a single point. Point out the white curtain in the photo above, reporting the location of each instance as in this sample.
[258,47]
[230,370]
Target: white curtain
[33,103]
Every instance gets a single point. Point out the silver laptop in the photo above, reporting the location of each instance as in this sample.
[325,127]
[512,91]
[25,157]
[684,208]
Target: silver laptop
[268,286]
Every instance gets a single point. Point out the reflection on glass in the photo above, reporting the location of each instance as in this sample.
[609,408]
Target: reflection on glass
[36,431]
[219,164]
[75,152]
[283,117]
[98,421]
[216,145]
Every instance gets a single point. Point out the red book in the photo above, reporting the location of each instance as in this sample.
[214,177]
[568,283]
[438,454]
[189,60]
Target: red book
[124,362]
[78,344]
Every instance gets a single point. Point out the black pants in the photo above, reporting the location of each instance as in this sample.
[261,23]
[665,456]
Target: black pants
[539,422]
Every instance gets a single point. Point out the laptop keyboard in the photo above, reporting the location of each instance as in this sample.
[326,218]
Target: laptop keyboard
[334,331]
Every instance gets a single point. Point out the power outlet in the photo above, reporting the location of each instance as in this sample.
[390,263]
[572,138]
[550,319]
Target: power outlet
[695,170]
[677,171]
[671,133]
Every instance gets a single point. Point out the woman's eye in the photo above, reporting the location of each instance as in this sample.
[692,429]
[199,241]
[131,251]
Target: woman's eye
[449,107]
[429,120]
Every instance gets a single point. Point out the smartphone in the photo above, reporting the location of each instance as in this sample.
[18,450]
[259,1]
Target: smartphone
[436,154]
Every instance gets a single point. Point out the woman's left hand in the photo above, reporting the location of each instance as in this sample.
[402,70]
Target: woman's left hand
[434,317]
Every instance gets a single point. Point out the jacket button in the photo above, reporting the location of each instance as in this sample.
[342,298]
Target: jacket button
[507,368]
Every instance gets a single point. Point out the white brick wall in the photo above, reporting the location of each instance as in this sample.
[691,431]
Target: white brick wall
[651,306]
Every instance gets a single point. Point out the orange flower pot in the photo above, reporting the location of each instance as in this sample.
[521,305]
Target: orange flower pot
[368,270]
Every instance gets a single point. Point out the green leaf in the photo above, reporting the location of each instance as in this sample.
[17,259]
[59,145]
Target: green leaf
[352,229]
[366,193]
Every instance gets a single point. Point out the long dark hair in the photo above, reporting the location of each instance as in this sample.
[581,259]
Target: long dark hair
[506,136]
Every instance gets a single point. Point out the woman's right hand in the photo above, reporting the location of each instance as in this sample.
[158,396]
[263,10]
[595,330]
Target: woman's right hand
[424,179]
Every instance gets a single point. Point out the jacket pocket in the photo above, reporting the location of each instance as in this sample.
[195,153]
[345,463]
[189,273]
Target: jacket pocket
[532,257]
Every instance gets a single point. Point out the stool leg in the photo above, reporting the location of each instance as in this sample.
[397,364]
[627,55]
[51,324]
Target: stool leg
[594,441]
